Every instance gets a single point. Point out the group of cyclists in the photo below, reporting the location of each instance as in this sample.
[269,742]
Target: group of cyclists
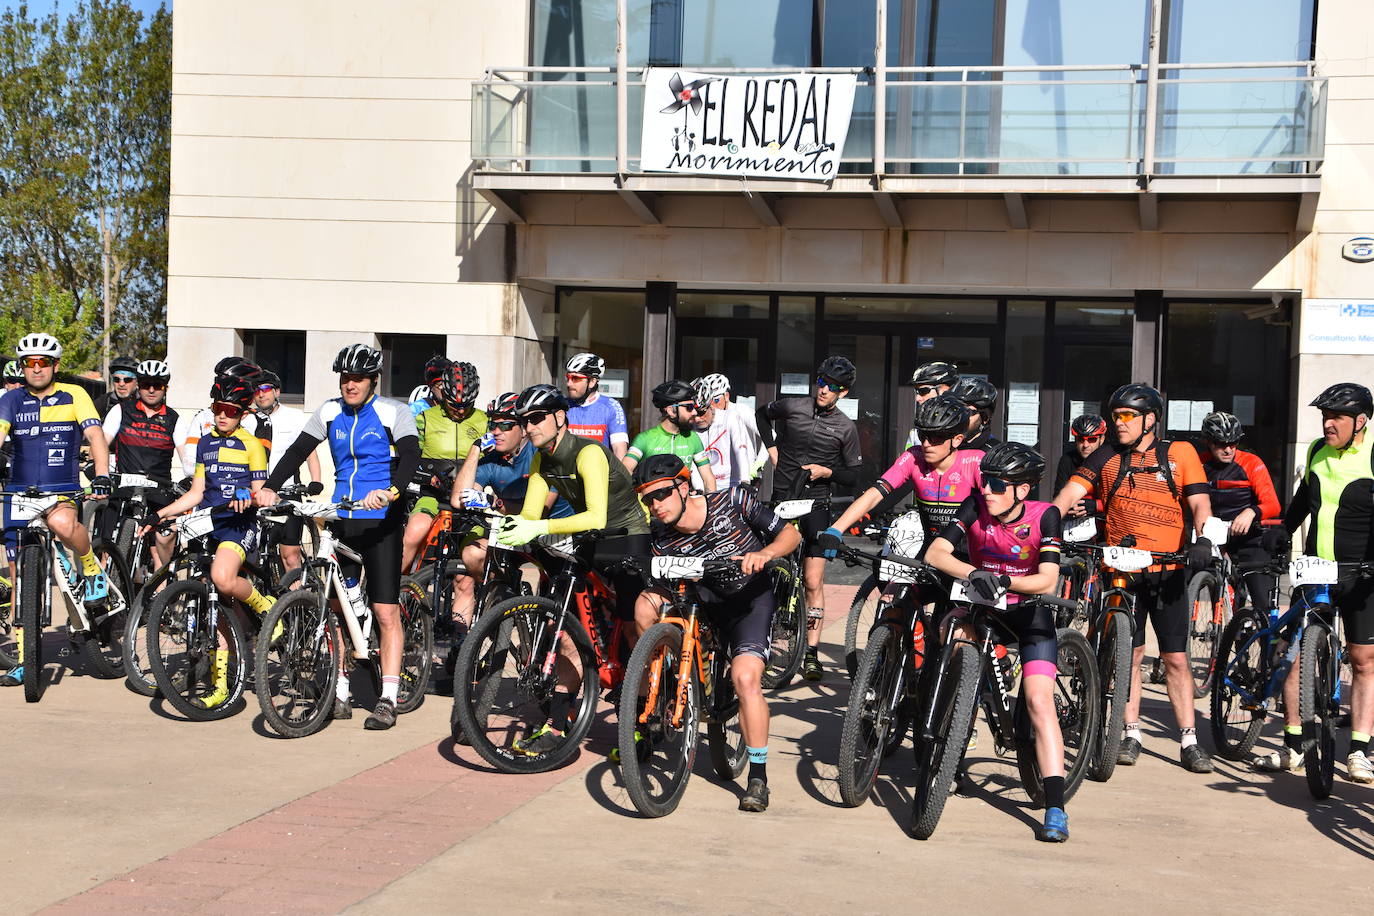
[558,460]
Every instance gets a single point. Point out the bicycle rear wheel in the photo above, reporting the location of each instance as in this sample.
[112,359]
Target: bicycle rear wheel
[1114,677]
[184,653]
[787,637]
[1203,598]
[502,693]
[1319,663]
[1235,719]
[296,673]
[871,715]
[417,652]
[103,645]
[137,673]
[724,734]
[859,624]
[1077,703]
[649,707]
[35,591]
[937,758]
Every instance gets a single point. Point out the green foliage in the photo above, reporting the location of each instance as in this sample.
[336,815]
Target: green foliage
[85,139]
[56,311]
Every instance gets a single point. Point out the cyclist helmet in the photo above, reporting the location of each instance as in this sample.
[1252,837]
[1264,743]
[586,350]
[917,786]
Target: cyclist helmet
[978,393]
[1346,398]
[673,391]
[710,387]
[124,364]
[239,367]
[436,370]
[418,393]
[539,397]
[231,389]
[154,369]
[1088,425]
[461,385]
[839,369]
[503,406]
[657,470]
[588,364]
[942,414]
[1013,462]
[38,344]
[270,378]
[1139,397]
[1222,428]
[225,365]
[358,359]
[936,373]
[12,371]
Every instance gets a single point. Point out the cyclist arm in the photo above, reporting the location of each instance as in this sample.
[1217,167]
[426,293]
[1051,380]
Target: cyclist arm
[886,491]
[188,500]
[467,474]
[618,432]
[1194,485]
[595,472]
[312,464]
[702,462]
[1071,494]
[763,419]
[781,538]
[537,491]
[111,425]
[1267,508]
[291,459]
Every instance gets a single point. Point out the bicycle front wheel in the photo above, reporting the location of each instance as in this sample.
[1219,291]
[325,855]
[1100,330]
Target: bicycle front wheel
[863,614]
[1318,668]
[295,671]
[35,591]
[938,755]
[660,709]
[417,652]
[873,713]
[1114,677]
[1238,691]
[787,637]
[103,645]
[1204,628]
[201,679]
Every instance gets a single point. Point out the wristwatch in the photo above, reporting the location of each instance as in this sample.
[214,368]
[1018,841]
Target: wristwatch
[395,493]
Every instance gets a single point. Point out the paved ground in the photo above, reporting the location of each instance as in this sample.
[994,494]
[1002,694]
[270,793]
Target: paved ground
[114,808]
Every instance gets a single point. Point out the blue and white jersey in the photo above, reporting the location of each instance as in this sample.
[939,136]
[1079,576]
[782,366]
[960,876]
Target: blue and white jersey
[362,442]
[600,419]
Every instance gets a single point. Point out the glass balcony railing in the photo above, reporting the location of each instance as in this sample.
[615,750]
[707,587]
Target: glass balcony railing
[1209,119]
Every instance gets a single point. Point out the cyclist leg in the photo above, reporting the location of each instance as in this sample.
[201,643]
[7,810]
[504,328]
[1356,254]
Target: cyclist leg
[1356,605]
[813,575]
[378,542]
[606,558]
[65,523]
[417,529]
[290,542]
[474,556]
[745,620]
[648,606]
[164,542]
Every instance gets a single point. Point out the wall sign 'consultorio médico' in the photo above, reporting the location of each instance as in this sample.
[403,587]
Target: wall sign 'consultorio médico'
[789,126]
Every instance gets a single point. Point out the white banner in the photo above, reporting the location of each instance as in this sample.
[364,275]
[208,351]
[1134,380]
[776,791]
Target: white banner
[1337,326]
[781,125]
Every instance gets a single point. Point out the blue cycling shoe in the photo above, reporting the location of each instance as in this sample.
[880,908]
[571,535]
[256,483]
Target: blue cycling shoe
[1056,829]
[97,589]
[13,677]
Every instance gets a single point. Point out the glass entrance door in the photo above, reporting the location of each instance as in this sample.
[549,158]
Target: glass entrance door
[1090,357]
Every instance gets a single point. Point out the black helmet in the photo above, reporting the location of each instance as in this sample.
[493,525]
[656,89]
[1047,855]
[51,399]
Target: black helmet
[270,378]
[936,373]
[839,369]
[232,389]
[238,367]
[1222,428]
[503,406]
[461,385]
[538,398]
[1347,398]
[358,359]
[978,393]
[659,469]
[1087,424]
[225,365]
[673,391]
[436,369]
[1013,462]
[1139,397]
[941,414]
[124,364]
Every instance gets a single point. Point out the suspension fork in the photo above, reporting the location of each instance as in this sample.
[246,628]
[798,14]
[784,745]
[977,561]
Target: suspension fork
[551,657]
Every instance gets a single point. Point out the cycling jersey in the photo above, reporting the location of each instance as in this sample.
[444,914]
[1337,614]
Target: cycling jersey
[445,441]
[1337,491]
[1015,548]
[191,429]
[733,446]
[1143,505]
[47,432]
[807,434]
[141,439]
[595,484]
[109,400]
[419,406]
[230,464]
[599,418]
[658,441]
[736,523]
[939,494]
[277,429]
[1239,485]
[509,475]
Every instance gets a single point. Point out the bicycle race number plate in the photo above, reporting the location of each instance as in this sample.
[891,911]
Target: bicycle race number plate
[1080,530]
[958,591]
[1216,531]
[677,567]
[197,524]
[1313,571]
[1126,559]
[905,539]
[789,509]
[136,480]
[28,508]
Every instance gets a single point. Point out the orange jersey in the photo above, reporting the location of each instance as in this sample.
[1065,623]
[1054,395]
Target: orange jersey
[1142,505]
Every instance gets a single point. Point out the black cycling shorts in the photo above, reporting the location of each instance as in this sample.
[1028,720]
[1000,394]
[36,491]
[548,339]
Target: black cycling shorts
[812,524]
[291,531]
[378,542]
[1031,622]
[1355,602]
[1259,584]
[1161,598]
[744,619]
[606,557]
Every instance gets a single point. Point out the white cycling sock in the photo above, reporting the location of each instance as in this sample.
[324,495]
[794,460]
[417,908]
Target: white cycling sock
[391,687]
[1188,738]
[1133,730]
[342,689]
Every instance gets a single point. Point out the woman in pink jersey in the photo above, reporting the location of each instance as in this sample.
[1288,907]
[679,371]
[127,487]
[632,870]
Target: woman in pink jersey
[1013,544]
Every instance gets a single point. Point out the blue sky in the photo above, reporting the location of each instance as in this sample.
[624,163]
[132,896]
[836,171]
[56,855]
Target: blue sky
[41,7]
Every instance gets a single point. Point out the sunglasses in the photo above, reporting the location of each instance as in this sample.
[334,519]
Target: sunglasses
[535,418]
[1125,416]
[925,390]
[1089,438]
[43,362]
[934,438]
[267,388]
[658,495]
[574,377]
[823,382]
[221,409]
[995,484]
[504,425]
[124,379]
[1218,446]
[688,406]
[152,386]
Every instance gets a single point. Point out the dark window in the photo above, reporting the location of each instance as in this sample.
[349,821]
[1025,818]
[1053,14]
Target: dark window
[283,352]
[403,361]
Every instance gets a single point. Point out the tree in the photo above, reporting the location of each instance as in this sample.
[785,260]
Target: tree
[56,311]
[85,139]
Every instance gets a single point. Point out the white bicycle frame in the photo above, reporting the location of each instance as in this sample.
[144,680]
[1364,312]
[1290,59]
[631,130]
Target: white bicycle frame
[330,549]
[36,509]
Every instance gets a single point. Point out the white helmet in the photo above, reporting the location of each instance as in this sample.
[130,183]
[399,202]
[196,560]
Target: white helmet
[419,393]
[39,344]
[154,368]
[710,387]
[588,364]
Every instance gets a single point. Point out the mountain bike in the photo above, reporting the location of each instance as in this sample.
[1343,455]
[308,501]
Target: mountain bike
[863,609]
[968,673]
[790,622]
[297,667]
[44,561]
[1211,598]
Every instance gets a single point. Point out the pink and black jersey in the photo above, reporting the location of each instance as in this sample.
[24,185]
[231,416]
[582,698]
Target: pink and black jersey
[939,494]
[1016,548]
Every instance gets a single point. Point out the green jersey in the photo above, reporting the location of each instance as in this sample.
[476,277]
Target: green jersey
[658,441]
[444,438]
